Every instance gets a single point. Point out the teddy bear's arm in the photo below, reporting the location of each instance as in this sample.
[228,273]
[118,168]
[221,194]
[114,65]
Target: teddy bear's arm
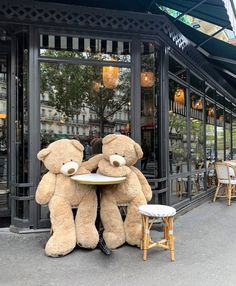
[107,169]
[147,191]
[45,189]
[90,165]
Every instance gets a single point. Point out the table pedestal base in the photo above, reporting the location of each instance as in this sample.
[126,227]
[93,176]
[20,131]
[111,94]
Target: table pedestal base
[102,245]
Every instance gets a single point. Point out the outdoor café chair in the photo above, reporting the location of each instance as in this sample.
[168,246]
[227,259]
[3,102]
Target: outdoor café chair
[153,212]
[226,179]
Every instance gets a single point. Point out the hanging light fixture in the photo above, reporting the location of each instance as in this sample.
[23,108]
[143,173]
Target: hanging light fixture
[147,79]
[211,112]
[197,104]
[221,118]
[179,96]
[110,77]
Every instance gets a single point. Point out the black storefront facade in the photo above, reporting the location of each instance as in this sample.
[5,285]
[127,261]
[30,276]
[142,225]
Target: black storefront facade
[80,72]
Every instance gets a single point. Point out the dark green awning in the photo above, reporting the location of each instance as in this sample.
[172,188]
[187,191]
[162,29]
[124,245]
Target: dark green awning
[212,11]
[221,54]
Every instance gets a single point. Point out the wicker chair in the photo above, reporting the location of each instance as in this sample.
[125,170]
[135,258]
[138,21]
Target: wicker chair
[226,178]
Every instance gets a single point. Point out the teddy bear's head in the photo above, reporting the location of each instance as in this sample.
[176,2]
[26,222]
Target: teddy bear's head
[62,156]
[121,150]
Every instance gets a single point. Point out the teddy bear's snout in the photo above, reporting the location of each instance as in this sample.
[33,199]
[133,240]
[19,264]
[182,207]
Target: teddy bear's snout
[117,160]
[70,168]
[116,163]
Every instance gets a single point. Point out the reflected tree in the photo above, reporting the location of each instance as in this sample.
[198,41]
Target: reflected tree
[71,87]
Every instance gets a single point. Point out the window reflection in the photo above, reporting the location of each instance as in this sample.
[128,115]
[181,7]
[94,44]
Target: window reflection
[76,104]
[220,132]
[4,190]
[178,148]
[197,142]
[177,69]
[234,136]
[197,131]
[177,127]
[227,135]
[210,143]
[149,92]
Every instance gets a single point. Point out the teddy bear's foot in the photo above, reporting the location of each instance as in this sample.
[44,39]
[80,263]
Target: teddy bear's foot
[114,240]
[87,236]
[60,245]
[133,237]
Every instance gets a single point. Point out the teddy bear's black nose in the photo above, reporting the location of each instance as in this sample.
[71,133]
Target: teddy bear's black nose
[71,170]
[116,164]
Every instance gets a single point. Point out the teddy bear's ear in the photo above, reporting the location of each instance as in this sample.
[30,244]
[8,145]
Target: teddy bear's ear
[77,145]
[138,150]
[109,138]
[43,154]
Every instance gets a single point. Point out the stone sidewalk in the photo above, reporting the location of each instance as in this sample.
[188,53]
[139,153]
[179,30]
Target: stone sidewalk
[205,255]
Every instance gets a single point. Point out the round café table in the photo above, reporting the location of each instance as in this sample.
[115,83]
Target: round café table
[98,180]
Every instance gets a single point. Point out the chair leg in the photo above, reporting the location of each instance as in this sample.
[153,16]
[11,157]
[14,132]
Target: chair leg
[146,237]
[229,194]
[216,193]
[166,236]
[142,237]
[171,238]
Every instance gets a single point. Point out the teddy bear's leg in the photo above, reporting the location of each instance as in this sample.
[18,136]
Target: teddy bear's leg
[133,223]
[86,232]
[63,239]
[114,233]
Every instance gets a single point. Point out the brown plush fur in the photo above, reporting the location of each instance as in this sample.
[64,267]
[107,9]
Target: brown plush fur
[62,194]
[120,153]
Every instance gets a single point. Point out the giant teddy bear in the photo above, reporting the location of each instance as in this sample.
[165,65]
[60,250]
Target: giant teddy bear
[120,153]
[63,158]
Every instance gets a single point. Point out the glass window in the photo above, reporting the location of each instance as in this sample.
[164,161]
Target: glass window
[177,126]
[210,92]
[197,143]
[227,135]
[178,147]
[197,82]
[4,193]
[220,132]
[197,131]
[234,136]
[210,143]
[179,189]
[73,89]
[177,69]
[150,59]
[220,99]
[84,48]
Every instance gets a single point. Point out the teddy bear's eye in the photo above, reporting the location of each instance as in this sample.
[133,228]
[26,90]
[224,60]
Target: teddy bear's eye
[116,153]
[71,160]
[63,163]
[124,156]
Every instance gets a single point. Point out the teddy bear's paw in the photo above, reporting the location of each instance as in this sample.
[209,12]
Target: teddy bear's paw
[133,236]
[114,240]
[60,245]
[87,236]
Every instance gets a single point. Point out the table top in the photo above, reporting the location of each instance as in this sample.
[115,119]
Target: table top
[97,179]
